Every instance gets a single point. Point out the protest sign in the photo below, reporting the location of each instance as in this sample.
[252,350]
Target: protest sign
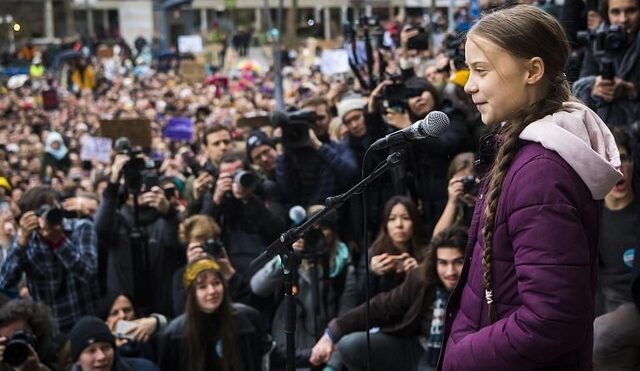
[96,149]
[137,130]
[179,128]
[192,72]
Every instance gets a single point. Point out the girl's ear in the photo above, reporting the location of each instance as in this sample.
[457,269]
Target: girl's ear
[535,70]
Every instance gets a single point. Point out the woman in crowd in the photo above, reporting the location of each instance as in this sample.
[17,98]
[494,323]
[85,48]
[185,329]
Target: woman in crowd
[55,156]
[213,333]
[397,249]
[199,234]
[525,300]
[137,338]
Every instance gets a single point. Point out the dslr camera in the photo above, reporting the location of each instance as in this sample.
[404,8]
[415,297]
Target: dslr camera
[605,42]
[395,96]
[213,247]
[17,348]
[470,185]
[137,171]
[246,179]
[52,215]
[295,127]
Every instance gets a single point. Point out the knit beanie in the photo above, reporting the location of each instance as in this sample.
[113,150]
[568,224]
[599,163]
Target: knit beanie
[256,139]
[350,104]
[89,330]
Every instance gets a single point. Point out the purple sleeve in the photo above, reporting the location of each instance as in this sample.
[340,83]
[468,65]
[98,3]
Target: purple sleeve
[553,271]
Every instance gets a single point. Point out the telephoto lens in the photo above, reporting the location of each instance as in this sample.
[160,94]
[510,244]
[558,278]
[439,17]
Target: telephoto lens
[17,349]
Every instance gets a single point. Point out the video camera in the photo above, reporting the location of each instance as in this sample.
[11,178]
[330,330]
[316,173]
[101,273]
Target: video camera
[138,172]
[295,127]
[455,50]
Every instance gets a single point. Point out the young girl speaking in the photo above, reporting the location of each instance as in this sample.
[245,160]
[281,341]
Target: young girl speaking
[525,299]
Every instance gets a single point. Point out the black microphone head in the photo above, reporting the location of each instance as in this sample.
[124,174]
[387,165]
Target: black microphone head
[435,124]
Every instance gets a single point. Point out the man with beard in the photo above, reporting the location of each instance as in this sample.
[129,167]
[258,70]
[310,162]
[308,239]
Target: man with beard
[143,267]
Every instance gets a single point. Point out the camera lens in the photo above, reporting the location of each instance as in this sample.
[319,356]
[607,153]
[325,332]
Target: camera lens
[16,352]
[245,179]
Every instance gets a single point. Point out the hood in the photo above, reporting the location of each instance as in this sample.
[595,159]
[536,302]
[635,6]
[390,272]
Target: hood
[582,139]
[57,153]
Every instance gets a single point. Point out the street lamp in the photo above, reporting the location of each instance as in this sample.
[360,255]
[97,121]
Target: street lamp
[16,27]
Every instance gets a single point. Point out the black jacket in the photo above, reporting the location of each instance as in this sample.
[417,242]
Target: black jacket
[253,341]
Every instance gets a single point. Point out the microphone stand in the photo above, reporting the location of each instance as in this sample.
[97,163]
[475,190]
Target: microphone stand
[283,247]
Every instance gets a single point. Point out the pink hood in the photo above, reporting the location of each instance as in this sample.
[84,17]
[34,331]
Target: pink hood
[582,139]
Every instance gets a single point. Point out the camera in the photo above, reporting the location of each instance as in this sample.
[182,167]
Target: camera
[213,247]
[295,127]
[605,42]
[246,179]
[315,244]
[395,96]
[470,185]
[419,41]
[605,39]
[17,348]
[136,169]
[52,215]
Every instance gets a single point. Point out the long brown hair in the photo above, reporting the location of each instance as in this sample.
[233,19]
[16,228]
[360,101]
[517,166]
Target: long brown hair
[383,243]
[195,325]
[518,30]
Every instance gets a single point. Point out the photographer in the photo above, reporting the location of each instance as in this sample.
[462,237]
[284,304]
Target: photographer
[157,228]
[424,173]
[58,255]
[248,218]
[216,141]
[200,235]
[615,97]
[308,174]
[261,151]
[26,338]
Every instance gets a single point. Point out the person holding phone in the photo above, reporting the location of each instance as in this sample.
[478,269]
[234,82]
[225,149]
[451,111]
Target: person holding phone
[135,336]
[397,248]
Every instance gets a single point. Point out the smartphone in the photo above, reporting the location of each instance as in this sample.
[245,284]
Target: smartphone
[399,261]
[122,327]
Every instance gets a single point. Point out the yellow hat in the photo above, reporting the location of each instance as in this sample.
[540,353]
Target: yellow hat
[460,77]
[4,183]
[194,269]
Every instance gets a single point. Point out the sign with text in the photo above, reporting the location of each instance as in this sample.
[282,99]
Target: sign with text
[137,130]
[190,44]
[96,149]
[179,128]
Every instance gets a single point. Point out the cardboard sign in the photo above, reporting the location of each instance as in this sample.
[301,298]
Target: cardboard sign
[104,52]
[137,130]
[179,128]
[334,61]
[192,72]
[190,44]
[96,149]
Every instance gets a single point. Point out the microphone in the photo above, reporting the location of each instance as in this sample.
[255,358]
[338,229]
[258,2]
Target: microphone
[433,125]
[297,214]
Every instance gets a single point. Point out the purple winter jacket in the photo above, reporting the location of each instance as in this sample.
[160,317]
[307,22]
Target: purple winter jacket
[544,258]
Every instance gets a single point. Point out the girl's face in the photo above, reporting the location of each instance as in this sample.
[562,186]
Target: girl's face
[399,225]
[209,291]
[498,81]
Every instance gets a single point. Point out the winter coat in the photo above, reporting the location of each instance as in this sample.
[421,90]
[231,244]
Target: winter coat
[251,338]
[544,253]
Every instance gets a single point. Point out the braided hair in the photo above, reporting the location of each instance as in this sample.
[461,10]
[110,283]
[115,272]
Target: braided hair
[519,30]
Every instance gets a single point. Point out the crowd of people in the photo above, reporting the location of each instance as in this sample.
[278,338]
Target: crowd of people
[494,246]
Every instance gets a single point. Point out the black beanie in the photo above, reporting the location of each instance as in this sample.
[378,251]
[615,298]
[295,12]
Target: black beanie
[89,330]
